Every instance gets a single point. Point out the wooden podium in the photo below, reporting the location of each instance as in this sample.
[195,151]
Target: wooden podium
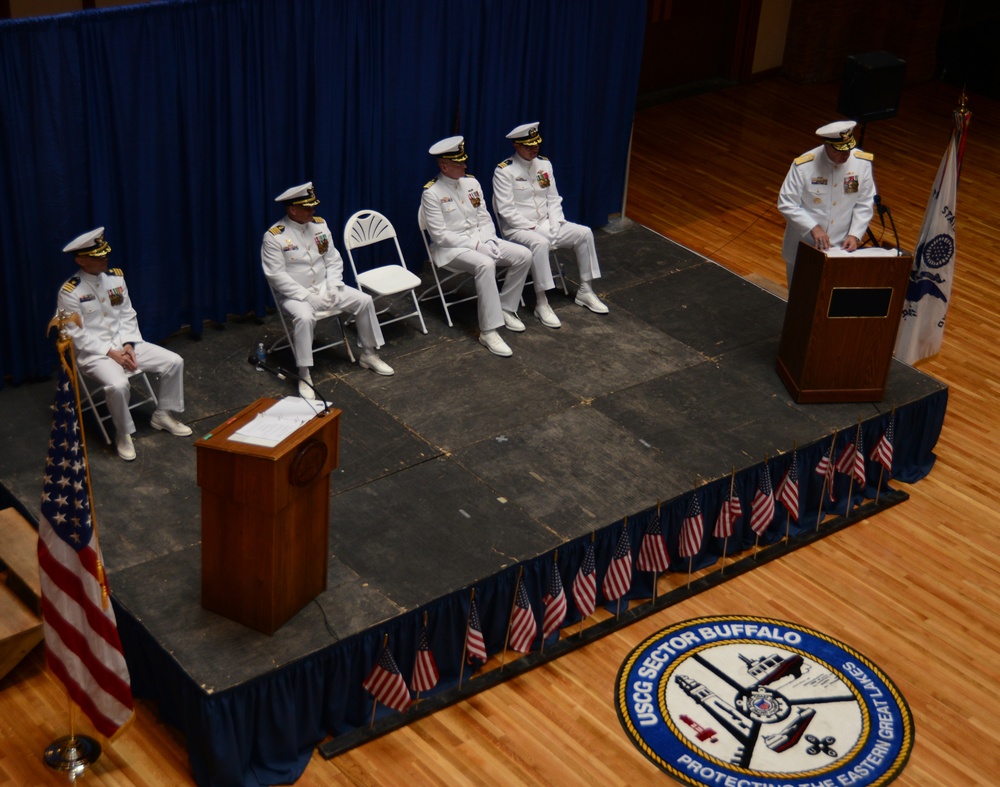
[265,519]
[840,324]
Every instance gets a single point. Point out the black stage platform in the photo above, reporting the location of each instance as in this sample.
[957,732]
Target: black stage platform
[456,473]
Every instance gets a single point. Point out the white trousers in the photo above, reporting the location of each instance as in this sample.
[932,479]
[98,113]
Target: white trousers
[570,236]
[516,259]
[117,390]
[343,298]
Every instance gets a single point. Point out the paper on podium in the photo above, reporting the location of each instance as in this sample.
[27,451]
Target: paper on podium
[876,251]
[278,421]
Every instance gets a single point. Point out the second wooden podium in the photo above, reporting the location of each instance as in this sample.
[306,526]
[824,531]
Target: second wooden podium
[840,324]
[265,519]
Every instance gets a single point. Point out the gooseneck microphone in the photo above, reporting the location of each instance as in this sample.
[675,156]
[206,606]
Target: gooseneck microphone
[883,211]
[258,359]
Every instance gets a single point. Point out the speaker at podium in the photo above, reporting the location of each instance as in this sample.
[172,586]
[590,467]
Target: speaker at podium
[841,322]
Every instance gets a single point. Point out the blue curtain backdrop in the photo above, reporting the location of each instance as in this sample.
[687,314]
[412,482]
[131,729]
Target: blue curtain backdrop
[175,124]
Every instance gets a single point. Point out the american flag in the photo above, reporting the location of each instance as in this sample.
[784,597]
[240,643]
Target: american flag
[555,604]
[618,580]
[425,671]
[762,507]
[692,529]
[852,460]
[825,468]
[475,646]
[726,522]
[788,489]
[653,552]
[523,627]
[585,585]
[82,647]
[386,683]
[883,448]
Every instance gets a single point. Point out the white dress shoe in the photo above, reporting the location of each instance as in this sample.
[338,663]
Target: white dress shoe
[491,341]
[376,364]
[512,322]
[125,448]
[546,316]
[590,301]
[165,421]
[305,390]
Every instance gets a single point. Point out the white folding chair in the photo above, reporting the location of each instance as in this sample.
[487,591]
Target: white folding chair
[557,268]
[90,401]
[447,282]
[285,342]
[367,228]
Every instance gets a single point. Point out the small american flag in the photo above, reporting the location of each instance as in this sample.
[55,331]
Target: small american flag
[692,529]
[555,604]
[386,684]
[825,468]
[425,671]
[852,460]
[653,552]
[726,523]
[618,580]
[762,507]
[585,585]
[788,489]
[883,448]
[475,646]
[523,627]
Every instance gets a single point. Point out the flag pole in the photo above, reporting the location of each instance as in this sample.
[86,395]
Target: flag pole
[385,644]
[656,575]
[850,484]
[881,467]
[725,541]
[416,699]
[618,607]
[788,516]
[593,533]
[826,480]
[756,540]
[510,623]
[465,641]
[541,650]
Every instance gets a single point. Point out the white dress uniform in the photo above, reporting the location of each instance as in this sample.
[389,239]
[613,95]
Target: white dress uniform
[109,323]
[840,199]
[300,261]
[464,238]
[529,210]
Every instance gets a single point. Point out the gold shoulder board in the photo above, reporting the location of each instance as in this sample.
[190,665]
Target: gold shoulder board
[805,158]
[277,230]
[71,284]
[430,183]
[543,158]
[318,220]
[864,154]
[116,272]
[506,163]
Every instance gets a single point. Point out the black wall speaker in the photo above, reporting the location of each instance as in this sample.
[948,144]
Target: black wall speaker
[871,86]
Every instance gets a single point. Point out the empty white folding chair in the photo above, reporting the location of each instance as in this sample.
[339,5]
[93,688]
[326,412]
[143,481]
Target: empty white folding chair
[384,282]
[323,317]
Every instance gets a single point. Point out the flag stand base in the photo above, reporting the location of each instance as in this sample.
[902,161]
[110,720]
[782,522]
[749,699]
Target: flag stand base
[72,755]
